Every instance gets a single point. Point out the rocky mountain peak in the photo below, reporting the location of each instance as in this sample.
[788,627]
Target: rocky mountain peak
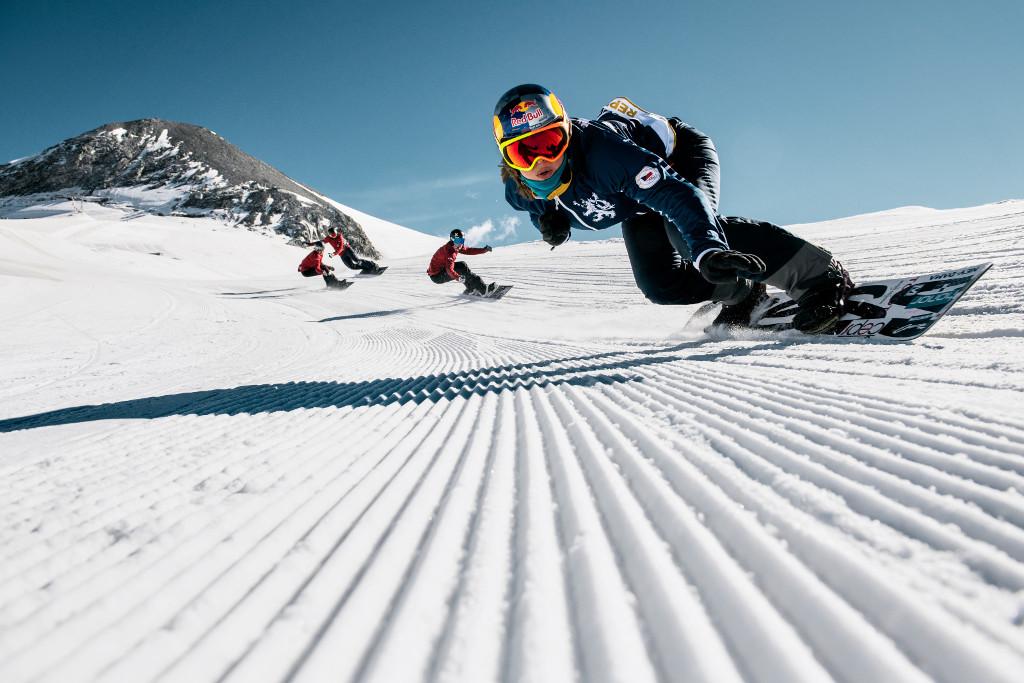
[172,168]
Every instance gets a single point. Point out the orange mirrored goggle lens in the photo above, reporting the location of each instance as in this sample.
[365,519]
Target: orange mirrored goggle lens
[547,144]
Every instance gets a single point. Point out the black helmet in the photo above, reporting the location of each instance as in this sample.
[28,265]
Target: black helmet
[456,233]
[526,108]
[331,229]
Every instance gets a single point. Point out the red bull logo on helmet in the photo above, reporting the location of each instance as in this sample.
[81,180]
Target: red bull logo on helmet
[528,111]
[523,106]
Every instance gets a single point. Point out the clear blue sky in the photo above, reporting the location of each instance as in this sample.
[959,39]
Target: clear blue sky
[819,109]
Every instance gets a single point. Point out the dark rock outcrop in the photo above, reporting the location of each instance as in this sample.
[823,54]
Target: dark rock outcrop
[179,169]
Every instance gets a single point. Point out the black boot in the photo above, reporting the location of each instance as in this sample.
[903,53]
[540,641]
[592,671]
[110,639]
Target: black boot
[738,314]
[474,285]
[824,302]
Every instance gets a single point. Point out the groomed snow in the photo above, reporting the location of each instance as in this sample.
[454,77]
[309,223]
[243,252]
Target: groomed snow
[212,469]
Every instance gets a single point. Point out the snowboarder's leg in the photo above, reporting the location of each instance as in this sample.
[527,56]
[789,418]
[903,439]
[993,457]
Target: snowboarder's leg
[350,259]
[470,279]
[439,278]
[816,281]
[662,269]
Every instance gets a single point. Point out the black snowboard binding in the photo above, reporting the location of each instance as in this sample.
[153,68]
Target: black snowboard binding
[824,302]
[334,283]
[738,314]
[474,285]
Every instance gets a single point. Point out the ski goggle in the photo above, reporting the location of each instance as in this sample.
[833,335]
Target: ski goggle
[459,240]
[524,151]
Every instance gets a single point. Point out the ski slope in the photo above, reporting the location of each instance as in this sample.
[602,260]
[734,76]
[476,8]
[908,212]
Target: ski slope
[212,469]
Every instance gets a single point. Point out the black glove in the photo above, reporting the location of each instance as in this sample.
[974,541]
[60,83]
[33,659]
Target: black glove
[729,266]
[488,248]
[554,227]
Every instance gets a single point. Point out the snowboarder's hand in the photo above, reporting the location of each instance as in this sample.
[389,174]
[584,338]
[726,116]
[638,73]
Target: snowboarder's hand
[729,266]
[554,228]
[488,248]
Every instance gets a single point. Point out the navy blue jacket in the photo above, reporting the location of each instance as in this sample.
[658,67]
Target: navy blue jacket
[614,178]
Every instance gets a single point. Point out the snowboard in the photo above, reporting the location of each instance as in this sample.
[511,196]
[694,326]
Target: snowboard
[380,269]
[897,308]
[339,285]
[497,293]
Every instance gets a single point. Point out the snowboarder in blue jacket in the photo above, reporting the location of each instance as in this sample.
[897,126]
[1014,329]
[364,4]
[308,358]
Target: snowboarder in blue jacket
[659,178]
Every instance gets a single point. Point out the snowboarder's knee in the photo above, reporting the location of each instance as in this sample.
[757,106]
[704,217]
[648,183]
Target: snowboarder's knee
[658,297]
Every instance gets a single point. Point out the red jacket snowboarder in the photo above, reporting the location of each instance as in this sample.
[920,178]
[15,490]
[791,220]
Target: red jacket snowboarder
[444,268]
[348,256]
[313,265]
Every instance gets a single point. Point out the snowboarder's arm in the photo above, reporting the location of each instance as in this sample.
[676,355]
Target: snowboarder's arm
[647,179]
[473,251]
[450,266]
[698,157]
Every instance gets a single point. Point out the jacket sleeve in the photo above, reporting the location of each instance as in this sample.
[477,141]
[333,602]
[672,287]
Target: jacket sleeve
[473,251]
[450,265]
[696,159]
[645,178]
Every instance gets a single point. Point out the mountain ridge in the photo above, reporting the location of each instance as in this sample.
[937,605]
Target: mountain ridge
[173,168]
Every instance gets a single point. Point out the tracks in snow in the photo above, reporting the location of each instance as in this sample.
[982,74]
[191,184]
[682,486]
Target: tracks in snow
[614,515]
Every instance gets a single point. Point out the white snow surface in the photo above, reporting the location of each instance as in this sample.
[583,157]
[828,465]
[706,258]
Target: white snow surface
[212,469]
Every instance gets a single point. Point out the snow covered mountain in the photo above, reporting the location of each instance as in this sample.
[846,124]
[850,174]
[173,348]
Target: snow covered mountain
[169,168]
[216,470]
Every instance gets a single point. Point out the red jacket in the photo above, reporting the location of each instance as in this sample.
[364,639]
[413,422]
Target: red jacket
[444,258]
[314,260]
[338,242]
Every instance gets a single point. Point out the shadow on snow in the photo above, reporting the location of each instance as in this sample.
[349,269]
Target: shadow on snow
[588,370]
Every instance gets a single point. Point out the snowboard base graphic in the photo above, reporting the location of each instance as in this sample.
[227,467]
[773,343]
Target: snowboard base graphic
[897,308]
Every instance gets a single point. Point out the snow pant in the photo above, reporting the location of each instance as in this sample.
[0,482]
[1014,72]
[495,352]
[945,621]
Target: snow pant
[661,260]
[469,278]
[349,258]
[329,279]
[663,271]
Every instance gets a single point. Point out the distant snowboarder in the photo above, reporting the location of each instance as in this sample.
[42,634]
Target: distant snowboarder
[313,265]
[659,178]
[348,256]
[444,268]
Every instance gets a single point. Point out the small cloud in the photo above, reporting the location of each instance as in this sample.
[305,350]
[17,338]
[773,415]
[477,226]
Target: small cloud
[488,232]
[473,195]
